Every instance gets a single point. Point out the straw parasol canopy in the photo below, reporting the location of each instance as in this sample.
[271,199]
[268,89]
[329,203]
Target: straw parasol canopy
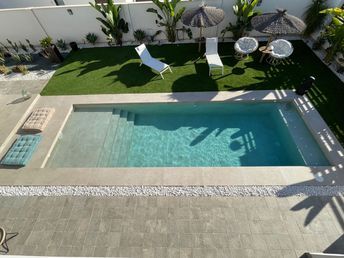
[203,17]
[280,23]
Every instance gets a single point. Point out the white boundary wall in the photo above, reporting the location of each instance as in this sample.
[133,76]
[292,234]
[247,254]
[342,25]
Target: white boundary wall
[25,3]
[35,23]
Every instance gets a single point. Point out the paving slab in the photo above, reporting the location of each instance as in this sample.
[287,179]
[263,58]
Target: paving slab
[132,226]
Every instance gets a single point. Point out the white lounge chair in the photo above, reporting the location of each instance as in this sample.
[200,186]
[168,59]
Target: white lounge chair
[212,56]
[151,62]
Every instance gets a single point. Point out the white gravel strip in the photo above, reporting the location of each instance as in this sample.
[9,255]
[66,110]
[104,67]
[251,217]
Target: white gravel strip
[32,75]
[186,191]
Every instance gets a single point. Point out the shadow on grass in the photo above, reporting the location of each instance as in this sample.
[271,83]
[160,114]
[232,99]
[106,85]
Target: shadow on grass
[200,81]
[93,59]
[132,75]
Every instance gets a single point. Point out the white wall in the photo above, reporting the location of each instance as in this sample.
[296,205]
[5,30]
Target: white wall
[25,3]
[81,2]
[19,24]
[58,23]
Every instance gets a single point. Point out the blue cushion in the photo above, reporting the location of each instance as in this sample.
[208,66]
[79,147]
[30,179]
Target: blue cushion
[21,151]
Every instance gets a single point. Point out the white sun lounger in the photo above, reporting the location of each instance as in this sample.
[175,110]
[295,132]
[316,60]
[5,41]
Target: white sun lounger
[151,62]
[212,56]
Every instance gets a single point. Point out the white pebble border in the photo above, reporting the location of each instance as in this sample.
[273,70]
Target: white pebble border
[31,76]
[181,191]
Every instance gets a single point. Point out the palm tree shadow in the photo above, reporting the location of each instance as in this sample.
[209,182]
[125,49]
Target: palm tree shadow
[337,246]
[316,204]
[311,203]
[205,133]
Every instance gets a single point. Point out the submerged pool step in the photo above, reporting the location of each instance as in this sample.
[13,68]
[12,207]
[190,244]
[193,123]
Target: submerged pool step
[121,139]
[105,153]
[126,141]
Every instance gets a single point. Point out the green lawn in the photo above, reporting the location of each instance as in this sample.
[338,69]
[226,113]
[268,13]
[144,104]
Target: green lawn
[117,70]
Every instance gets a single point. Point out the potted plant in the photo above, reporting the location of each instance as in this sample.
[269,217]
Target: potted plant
[244,11]
[113,26]
[169,16]
[50,51]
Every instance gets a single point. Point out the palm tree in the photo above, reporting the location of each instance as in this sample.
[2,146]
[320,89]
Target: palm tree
[169,16]
[113,25]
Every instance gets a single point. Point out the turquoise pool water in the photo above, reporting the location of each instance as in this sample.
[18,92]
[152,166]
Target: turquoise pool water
[186,135]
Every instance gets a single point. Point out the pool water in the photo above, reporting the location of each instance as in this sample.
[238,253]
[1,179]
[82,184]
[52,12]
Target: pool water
[186,135]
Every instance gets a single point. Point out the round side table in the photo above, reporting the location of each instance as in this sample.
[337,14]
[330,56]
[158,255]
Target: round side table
[264,50]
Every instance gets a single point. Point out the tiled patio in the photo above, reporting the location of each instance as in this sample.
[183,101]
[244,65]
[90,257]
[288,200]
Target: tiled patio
[174,227]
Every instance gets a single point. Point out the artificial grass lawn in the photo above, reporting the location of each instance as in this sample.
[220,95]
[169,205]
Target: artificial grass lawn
[117,70]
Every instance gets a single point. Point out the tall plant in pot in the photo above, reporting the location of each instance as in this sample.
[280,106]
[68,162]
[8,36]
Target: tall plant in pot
[244,11]
[168,16]
[113,26]
[50,51]
[334,33]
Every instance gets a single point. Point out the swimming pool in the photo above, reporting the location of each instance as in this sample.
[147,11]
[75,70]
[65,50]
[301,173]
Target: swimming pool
[204,134]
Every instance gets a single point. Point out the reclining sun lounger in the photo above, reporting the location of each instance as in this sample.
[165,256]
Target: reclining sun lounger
[212,56]
[151,62]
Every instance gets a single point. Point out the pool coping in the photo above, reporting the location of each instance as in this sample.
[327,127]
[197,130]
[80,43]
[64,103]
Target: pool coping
[36,174]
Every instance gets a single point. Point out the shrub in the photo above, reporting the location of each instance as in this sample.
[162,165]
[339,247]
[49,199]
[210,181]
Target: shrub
[26,57]
[13,45]
[2,56]
[23,47]
[20,69]
[4,70]
[16,58]
[91,38]
[140,35]
[31,46]
[312,16]
[61,44]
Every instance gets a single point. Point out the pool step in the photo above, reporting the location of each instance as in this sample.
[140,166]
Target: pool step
[126,141]
[108,140]
[121,139]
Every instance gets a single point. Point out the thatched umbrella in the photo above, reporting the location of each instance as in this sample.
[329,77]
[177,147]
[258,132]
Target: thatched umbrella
[203,17]
[280,23]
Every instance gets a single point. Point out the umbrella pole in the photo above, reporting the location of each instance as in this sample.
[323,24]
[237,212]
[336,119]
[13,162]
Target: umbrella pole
[200,39]
[264,50]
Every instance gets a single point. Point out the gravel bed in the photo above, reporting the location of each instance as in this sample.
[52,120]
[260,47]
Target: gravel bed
[186,191]
[32,75]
